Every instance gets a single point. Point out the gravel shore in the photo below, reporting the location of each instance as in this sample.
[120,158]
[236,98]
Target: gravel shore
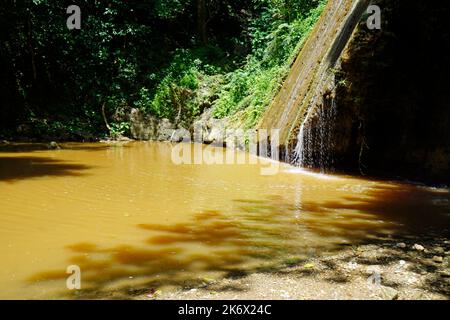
[386,271]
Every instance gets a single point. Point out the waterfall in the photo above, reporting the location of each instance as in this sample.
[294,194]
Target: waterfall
[305,108]
[299,151]
[315,141]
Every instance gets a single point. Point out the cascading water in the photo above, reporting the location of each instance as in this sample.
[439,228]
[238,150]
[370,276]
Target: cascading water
[300,152]
[314,141]
[305,108]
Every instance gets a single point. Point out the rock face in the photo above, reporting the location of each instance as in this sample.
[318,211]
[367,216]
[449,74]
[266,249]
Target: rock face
[146,127]
[213,130]
[165,130]
[311,75]
[206,129]
[223,132]
[393,115]
[375,103]
[143,126]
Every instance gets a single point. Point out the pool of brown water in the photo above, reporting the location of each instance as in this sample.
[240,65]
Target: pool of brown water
[133,221]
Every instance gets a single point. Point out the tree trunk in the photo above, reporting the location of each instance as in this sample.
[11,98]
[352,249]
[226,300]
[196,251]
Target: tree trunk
[202,20]
[105,119]
[30,47]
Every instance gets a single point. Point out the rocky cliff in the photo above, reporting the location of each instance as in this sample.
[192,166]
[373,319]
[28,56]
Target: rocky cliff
[392,95]
[373,102]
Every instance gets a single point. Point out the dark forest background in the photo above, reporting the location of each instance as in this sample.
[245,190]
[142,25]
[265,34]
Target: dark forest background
[161,56]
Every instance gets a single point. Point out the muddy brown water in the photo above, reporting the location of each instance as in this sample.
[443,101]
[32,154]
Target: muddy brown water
[135,222]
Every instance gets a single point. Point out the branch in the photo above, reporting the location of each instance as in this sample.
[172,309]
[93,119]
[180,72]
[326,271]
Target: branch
[104,118]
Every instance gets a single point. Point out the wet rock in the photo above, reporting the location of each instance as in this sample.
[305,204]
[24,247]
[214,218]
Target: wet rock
[53,145]
[180,135]
[438,259]
[418,247]
[401,245]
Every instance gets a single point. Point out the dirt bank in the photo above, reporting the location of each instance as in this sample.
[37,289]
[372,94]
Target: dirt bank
[387,271]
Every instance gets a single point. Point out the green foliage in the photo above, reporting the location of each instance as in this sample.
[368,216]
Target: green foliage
[147,54]
[175,90]
[119,129]
[169,9]
[187,85]
[251,88]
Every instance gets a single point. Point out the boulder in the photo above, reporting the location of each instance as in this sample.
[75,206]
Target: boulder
[165,130]
[143,126]
[53,145]
[212,130]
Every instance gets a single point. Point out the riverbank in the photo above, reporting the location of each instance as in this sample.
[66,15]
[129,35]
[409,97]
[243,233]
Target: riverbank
[384,271]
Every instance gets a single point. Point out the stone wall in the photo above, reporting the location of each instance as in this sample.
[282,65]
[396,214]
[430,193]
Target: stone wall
[393,97]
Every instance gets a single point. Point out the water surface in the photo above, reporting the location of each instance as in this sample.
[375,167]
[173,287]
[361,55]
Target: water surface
[133,221]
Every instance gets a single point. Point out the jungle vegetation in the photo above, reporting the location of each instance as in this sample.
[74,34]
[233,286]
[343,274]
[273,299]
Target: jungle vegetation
[165,57]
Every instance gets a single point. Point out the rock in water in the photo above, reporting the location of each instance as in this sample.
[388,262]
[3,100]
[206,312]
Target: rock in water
[54,146]
[438,259]
[418,247]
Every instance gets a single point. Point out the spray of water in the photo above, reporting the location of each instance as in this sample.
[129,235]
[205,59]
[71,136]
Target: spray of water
[314,141]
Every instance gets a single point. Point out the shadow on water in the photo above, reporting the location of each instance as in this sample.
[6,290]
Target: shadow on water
[267,236]
[23,147]
[401,209]
[35,147]
[13,169]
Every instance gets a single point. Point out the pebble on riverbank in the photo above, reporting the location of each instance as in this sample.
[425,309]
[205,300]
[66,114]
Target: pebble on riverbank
[376,271]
